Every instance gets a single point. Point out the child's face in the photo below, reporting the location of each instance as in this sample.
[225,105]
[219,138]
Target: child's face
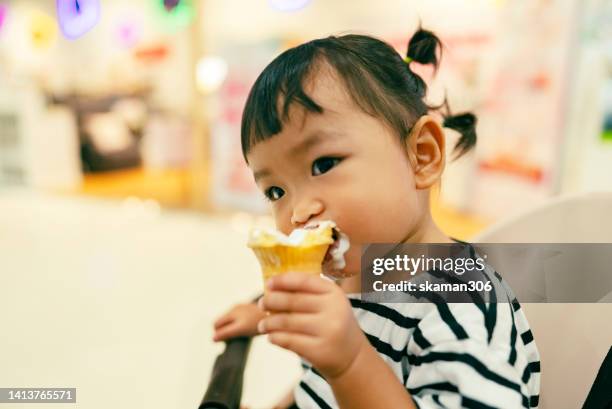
[341,165]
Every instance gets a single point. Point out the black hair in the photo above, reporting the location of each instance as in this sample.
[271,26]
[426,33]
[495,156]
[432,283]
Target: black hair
[377,78]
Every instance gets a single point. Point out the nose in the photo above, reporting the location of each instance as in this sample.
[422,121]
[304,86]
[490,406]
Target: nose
[305,210]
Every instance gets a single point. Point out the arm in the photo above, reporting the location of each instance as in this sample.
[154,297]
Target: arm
[313,318]
[457,360]
[370,383]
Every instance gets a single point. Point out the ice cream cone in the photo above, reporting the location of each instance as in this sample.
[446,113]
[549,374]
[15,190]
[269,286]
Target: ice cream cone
[303,251]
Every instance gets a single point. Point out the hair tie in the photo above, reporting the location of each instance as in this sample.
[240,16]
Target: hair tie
[408,60]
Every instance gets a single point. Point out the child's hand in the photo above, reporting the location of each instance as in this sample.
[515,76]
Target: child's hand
[240,321]
[313,318]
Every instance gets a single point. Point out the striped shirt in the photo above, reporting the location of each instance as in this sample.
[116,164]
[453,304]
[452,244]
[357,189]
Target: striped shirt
[453,355]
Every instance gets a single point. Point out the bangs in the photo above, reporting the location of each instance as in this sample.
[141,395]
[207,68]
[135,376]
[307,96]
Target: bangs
[278,86]
[364,77]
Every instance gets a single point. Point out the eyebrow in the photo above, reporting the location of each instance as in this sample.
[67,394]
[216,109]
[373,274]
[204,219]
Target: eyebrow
[261,174]
[308,143]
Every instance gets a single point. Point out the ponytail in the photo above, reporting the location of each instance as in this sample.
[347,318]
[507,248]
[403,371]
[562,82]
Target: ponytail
[423,48]
[465,124]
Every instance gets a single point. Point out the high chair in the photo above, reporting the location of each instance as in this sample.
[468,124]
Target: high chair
[573,339]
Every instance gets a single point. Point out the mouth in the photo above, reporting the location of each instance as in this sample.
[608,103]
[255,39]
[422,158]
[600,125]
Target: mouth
[335,236]
[333,248]
[334,261]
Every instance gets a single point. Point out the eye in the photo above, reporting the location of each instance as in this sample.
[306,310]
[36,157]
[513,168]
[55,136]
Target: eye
[274,193]
[324,164]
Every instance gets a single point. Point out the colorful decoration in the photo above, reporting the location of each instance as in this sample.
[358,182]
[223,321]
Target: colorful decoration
[288,5]
[152,53]
[128,33]
[76,17]
[43,30]
[606,98]
[175,14]
[170,4]
[3,13]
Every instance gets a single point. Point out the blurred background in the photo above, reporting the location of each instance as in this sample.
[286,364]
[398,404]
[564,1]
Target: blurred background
[125,201]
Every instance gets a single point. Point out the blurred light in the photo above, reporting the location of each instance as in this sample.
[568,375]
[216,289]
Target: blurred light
[3,12]
[210,73]
[289,5]
[152,53]
[76,17]
[170,4]
[175,14]
[43,30]
[128,32]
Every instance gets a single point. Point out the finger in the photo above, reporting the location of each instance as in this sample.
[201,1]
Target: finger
[226,332]
[299,282]
[226,319]
[279,301]
[294,323]
[299,343]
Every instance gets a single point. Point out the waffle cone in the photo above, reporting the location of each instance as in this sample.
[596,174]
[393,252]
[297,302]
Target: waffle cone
[280,259]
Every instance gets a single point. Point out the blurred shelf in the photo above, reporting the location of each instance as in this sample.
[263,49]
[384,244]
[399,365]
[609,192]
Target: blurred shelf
[458,224]
[169,187]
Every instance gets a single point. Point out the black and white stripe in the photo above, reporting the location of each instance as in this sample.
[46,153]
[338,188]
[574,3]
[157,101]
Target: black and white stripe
[469,355]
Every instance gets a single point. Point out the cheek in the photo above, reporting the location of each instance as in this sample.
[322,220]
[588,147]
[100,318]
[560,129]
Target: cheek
[282,221]
[383,209]
[380,216]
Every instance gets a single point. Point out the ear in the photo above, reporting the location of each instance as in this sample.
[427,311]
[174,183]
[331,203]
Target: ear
[426,151]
